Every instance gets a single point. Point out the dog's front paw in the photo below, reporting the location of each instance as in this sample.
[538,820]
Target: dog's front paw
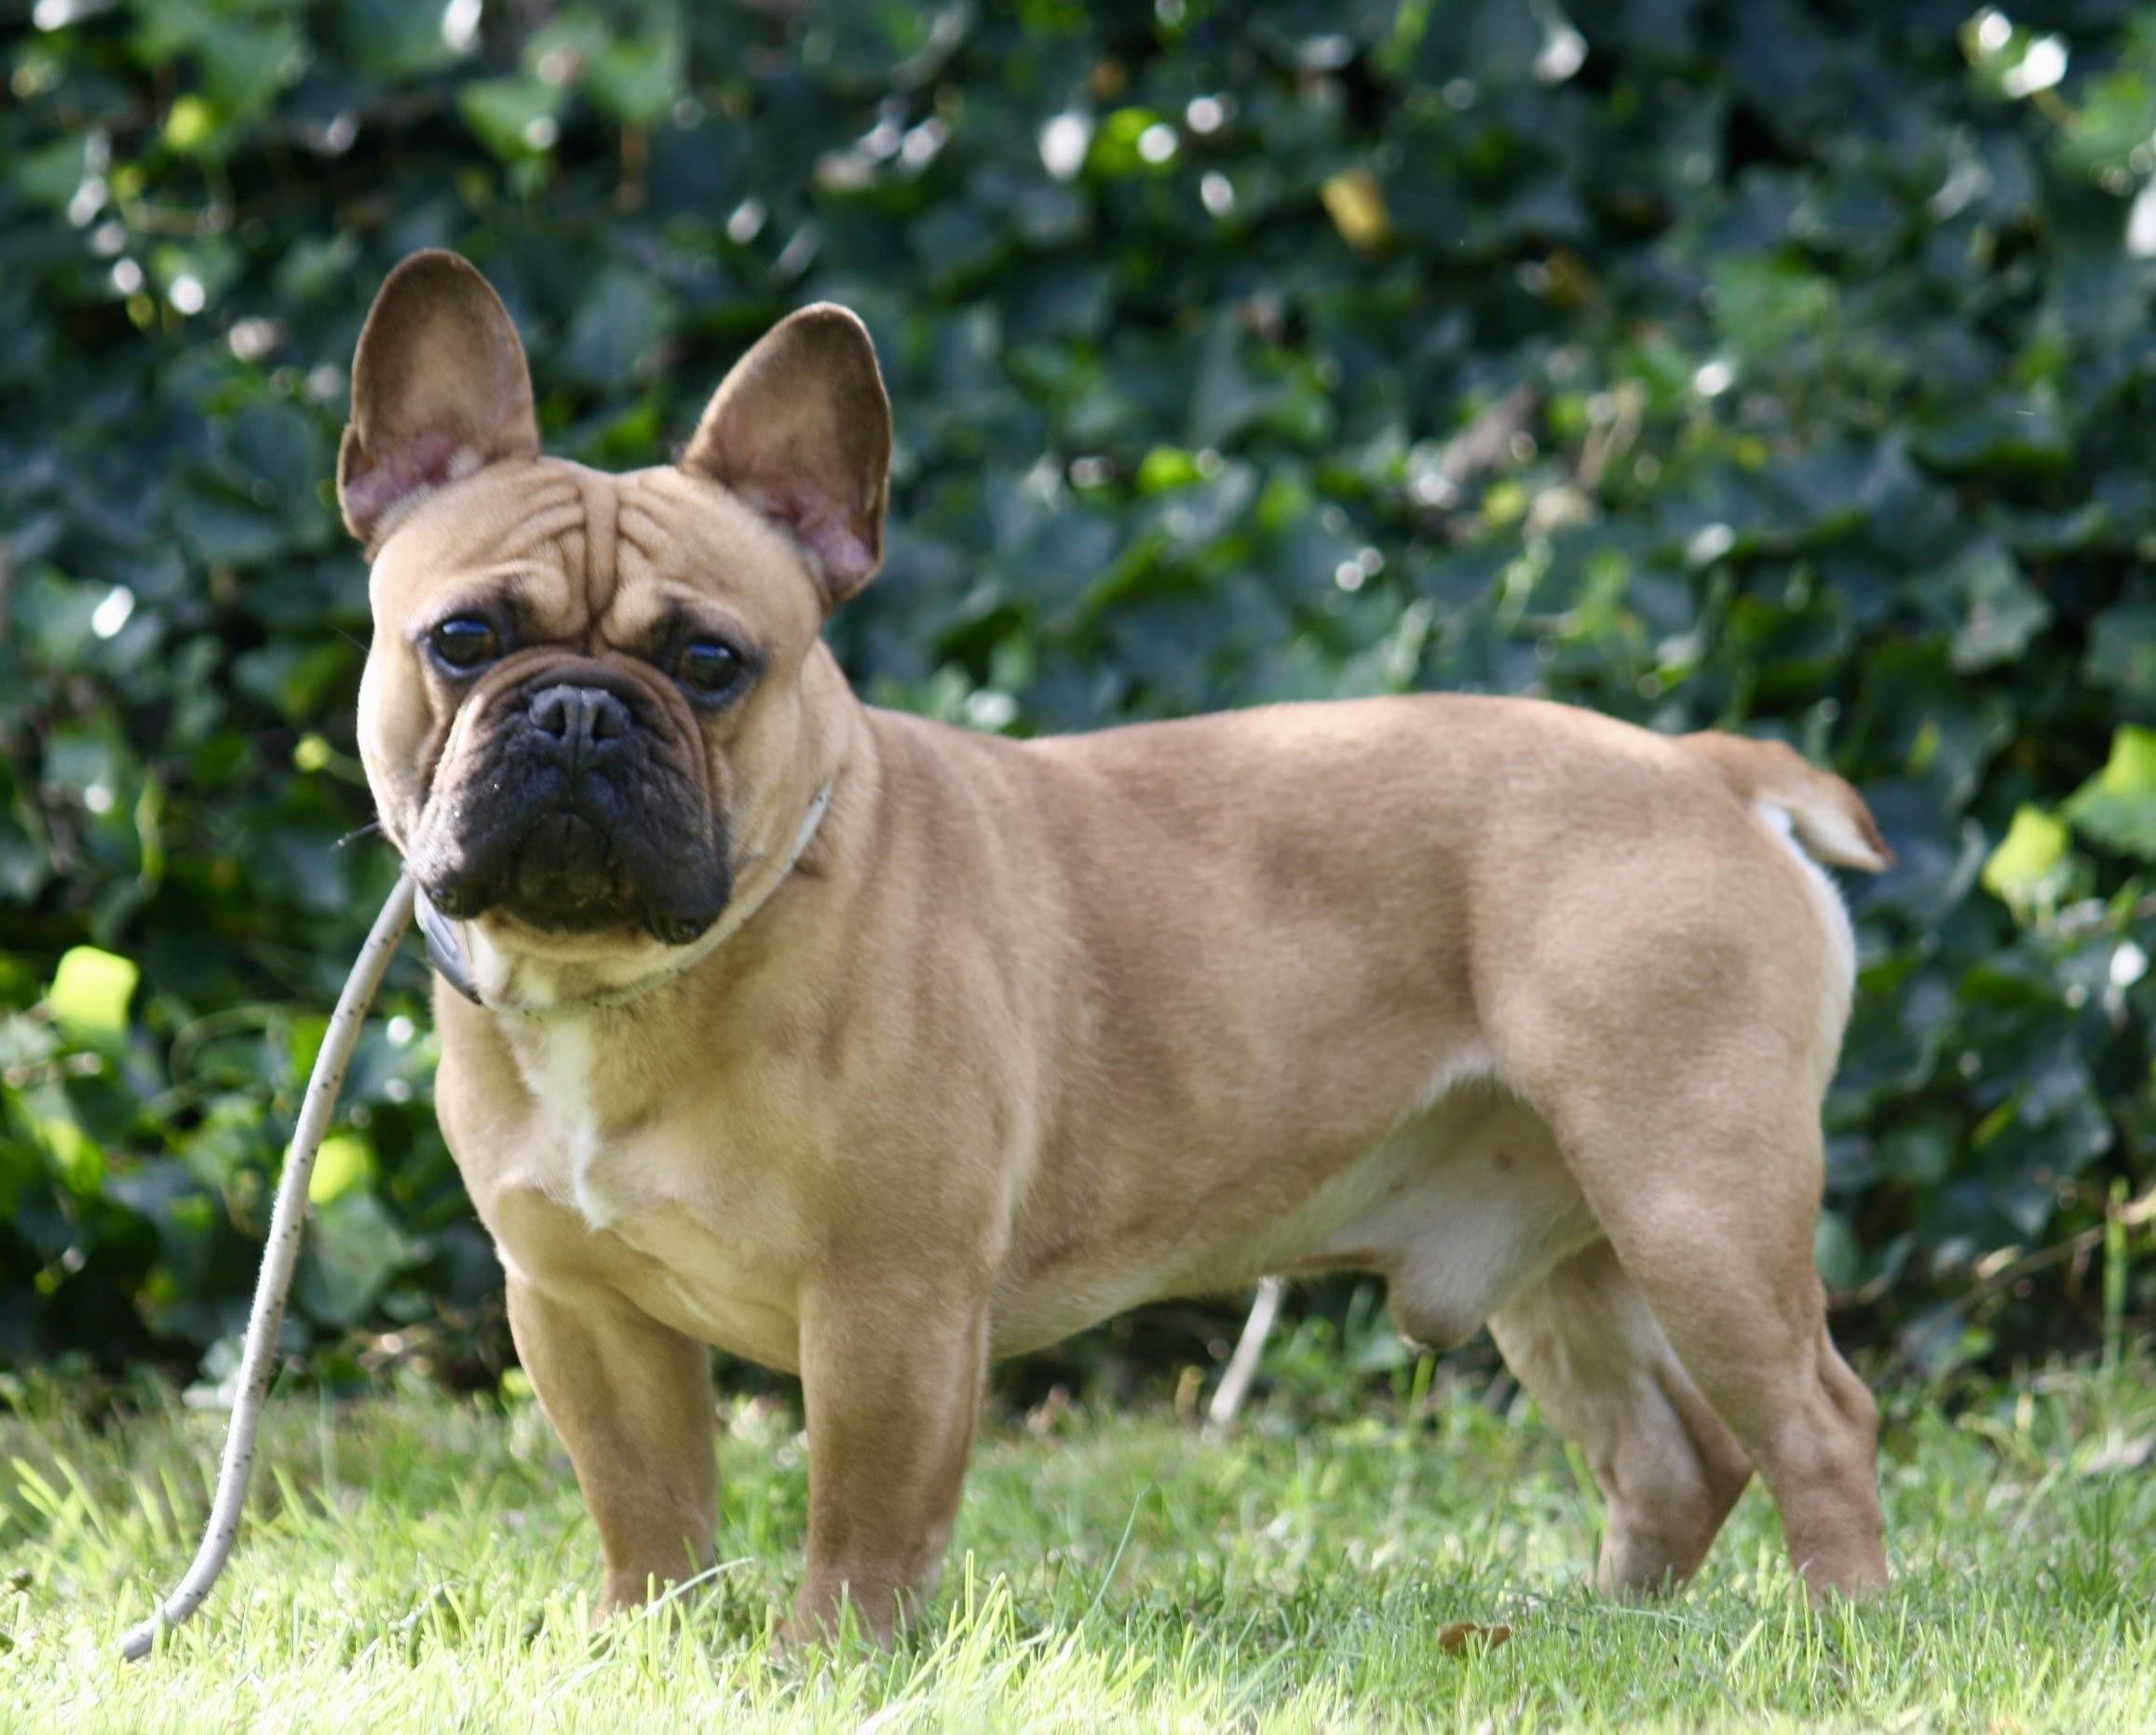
[627,1593]
[829,1606]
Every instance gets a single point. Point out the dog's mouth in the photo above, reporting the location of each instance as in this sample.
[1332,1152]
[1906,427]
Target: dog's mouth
[566,874]
[564,870]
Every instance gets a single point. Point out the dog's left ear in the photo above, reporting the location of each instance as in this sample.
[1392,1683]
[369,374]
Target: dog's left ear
[801,429]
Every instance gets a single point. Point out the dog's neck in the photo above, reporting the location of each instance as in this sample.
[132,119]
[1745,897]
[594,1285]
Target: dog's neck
[599,1052]
[534,988]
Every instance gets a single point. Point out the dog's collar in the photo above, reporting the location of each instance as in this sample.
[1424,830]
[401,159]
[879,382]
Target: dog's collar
[445,947]
[732,921]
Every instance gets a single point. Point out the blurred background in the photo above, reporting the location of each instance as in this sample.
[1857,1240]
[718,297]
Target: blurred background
[1754,363]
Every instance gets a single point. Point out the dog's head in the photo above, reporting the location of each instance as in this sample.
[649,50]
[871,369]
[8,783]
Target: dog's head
[596,705]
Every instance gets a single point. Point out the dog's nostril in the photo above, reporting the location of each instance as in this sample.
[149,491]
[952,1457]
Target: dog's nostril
[609,715]
[552,713]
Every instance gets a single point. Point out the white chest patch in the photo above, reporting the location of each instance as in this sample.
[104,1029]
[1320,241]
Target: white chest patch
[557,1058]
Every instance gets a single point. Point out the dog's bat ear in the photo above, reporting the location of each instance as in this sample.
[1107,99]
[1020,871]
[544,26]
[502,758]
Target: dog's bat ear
[439,389]
[801,429]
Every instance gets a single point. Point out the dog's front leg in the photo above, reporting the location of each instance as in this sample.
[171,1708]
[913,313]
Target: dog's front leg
[633,1401]
[891,1372]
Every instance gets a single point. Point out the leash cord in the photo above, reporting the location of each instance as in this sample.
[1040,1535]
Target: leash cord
[280,1254]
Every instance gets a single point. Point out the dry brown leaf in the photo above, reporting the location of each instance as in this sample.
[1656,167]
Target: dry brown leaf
[1462,1633]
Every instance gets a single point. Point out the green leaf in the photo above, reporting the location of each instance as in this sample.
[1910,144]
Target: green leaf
[293,679]
[49,174]
[76,1158]
[620,323]
[2123,654]
[393,39]
[2000,610]
[190,123]
[2004,434]
[1837,1253]
[2117,807]
[91,992]
[1168,468]
[352,1253]
[2027,857]
[345,1161]
[637,79]
[513,117]
[1132,141]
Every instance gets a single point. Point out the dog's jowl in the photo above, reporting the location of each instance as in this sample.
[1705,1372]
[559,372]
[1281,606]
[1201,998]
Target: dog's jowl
[872,1048]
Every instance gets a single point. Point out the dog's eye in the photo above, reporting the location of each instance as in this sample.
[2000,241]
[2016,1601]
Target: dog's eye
[709,667]
[465,643]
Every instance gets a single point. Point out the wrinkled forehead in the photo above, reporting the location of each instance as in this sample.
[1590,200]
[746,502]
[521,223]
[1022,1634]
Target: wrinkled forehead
[581,554]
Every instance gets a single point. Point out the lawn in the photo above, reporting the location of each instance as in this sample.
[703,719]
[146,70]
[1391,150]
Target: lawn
[419,1562]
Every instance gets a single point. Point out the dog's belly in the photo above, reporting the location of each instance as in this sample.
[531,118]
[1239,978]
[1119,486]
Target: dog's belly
[1459,1213]
[1463,1206]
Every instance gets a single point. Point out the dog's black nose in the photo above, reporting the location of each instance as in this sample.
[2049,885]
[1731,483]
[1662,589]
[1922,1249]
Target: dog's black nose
[580,722]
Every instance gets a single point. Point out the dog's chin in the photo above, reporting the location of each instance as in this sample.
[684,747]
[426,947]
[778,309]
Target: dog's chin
[591,930]
[518,964]
[563,884]
[584,943]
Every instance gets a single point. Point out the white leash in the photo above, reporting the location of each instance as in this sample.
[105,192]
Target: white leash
[281,1251]
[257,1362]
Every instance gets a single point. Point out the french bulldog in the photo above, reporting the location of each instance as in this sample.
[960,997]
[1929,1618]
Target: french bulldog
[872,1050]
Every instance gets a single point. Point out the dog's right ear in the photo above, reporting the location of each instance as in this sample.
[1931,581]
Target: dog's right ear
[439,389]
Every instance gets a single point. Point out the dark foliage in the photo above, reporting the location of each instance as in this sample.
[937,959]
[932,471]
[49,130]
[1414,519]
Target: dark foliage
[1766,364]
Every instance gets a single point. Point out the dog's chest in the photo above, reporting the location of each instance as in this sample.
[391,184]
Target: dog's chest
[646,1195]
[561,1061]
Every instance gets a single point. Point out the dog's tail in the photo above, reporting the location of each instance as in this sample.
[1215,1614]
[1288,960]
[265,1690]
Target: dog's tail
[1828,817]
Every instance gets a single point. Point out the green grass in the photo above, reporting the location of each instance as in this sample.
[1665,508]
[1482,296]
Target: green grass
[420,1563]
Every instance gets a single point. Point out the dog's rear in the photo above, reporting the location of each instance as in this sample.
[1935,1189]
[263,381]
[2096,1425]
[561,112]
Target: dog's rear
[1676,1034]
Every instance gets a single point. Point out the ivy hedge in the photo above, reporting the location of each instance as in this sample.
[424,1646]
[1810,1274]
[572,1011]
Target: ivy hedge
[1756,363]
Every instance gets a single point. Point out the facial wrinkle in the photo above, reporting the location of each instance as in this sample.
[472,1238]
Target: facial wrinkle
[602,552]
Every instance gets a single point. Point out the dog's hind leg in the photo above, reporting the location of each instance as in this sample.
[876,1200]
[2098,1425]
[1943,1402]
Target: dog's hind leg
[1681,1061]
[1710,1199]
[1585,1344]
